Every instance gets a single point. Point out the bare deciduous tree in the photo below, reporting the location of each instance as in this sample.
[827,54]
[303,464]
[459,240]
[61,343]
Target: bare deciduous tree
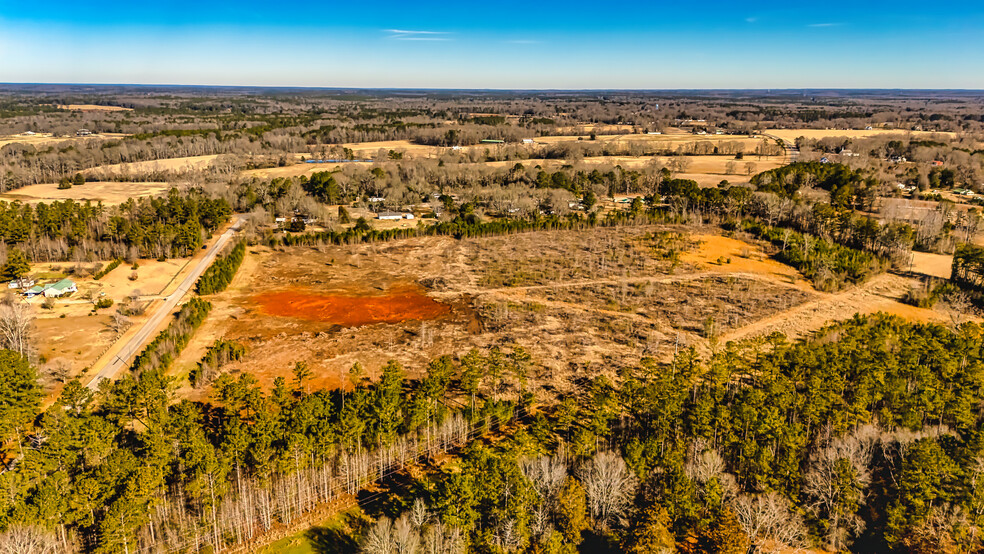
[837,482]
[768,516]
[28,539]
[710,465]
[406,538]
[439,539]
[380,538]
[16,323]
[609,486]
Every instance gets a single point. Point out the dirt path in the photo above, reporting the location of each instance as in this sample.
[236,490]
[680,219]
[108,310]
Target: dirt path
[667,279]
[880,294]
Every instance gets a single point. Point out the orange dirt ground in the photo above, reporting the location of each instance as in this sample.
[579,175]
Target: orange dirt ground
[400,303]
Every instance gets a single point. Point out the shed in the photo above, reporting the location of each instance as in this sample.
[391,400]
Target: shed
[389,215]
[34,291]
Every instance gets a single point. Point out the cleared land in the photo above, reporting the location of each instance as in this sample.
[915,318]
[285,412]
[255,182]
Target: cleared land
[582,302]
[793,134]
[702,169]
[39,139]
[107,192]
[189,163]
[92,108]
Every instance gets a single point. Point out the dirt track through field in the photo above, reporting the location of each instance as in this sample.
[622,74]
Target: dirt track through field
[633,280]
[882,293]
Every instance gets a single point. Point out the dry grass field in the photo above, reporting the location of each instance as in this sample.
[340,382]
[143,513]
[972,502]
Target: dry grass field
[297,170]
[92,108]
[40,139]
[706,170]
[582,302]
[189,163]
[107,192]
[793,134]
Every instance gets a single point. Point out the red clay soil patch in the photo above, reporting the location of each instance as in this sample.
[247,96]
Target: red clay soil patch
[400,303]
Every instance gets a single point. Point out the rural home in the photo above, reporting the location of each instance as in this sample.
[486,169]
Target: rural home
[21,283]
[83,133]
[389,215]
[527,141]
[61,288]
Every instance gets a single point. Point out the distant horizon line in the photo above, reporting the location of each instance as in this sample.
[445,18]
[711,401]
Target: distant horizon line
[494,89]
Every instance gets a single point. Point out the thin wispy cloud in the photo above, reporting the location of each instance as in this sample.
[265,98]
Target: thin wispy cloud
[524,41]
[751,19]
[404,34]
[820,25]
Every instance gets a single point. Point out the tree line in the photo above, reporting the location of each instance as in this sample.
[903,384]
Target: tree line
[174,225]
[218,275]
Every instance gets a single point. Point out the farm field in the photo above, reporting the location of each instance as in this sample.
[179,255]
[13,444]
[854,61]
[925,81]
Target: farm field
[107,192]
[793,134]
[297,170]
[701,168]
[92,108]
[187,163]
[581,302]
[47,138]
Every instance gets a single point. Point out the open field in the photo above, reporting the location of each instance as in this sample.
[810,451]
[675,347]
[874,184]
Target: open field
[700,168]
[188,163]
[793,134]
[92,108]
[107,192]
[40,139]
[697,165]
[297,170]
[581,302]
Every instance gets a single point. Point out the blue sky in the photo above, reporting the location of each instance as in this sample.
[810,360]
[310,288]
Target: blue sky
[504,44]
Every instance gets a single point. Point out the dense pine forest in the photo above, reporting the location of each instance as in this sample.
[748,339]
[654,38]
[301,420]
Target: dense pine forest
[865,437]
[172,226]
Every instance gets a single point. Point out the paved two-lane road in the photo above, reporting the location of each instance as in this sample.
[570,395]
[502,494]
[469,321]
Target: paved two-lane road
[136,343]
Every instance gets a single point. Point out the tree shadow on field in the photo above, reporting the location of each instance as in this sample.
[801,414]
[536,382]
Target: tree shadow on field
[327,540]
[339,537]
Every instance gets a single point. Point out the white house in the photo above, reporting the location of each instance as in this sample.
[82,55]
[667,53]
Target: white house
[61,288]
[21,284]
[389,215]
[527,141]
